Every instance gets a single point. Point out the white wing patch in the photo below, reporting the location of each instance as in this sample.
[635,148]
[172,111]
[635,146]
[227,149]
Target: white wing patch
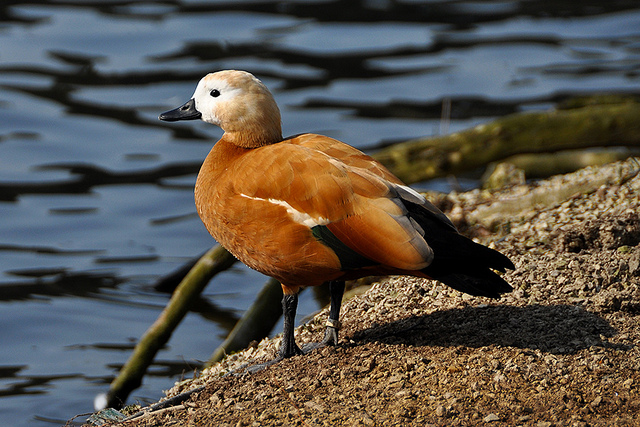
[299,217]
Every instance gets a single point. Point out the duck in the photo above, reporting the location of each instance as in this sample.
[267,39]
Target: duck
[309,209]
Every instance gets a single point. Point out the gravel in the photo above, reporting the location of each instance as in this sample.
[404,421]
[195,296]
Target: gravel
[561,350]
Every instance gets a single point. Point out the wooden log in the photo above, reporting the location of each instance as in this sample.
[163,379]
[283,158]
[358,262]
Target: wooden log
[543,165]
[130,377]
[603,125]
[525,199]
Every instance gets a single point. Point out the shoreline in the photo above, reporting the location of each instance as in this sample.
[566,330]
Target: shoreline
[559,350]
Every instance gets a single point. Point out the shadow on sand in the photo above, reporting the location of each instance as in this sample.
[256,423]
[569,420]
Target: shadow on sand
[557,329]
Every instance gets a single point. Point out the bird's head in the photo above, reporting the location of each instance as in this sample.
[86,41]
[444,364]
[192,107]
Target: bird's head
[237,102]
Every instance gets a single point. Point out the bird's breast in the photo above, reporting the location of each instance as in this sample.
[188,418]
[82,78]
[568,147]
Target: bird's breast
[268,235]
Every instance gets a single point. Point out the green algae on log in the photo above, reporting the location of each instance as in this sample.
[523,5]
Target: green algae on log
[611,123]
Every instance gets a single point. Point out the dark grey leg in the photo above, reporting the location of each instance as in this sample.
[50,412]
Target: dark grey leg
[288,346]
[336,290]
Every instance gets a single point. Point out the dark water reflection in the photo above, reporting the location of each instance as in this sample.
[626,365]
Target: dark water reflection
[96,194]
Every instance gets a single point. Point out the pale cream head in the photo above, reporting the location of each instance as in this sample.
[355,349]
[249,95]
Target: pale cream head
[241,105]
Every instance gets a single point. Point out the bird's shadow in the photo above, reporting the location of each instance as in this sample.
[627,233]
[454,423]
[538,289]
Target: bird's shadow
[557,329]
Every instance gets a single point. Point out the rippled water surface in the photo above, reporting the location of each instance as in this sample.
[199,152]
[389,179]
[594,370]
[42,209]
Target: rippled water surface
[96,194]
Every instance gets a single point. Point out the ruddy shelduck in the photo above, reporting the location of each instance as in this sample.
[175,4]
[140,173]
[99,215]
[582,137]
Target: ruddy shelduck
[309,209]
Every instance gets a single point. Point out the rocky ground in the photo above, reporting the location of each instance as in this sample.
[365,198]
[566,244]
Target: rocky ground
[561,350]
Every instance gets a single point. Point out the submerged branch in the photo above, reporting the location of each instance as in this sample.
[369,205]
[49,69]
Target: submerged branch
[256,323]
[130,377]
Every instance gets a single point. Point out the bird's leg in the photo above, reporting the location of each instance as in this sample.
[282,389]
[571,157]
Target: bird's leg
[288,346]
[336,290]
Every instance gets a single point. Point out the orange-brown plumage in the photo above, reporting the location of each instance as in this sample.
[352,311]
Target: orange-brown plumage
[310,209]
[233,202]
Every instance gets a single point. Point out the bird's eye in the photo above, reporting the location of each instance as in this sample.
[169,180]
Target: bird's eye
[215,93]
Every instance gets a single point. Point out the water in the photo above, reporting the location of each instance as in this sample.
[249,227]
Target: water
[96,194]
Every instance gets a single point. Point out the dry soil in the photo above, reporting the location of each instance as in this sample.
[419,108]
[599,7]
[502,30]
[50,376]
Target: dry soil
[560,350]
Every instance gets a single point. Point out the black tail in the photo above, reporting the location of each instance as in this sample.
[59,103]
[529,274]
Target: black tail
[459,262]
[467,266]
[489,285]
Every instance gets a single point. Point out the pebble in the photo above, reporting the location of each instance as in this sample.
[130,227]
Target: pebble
[491,418]
[441,411]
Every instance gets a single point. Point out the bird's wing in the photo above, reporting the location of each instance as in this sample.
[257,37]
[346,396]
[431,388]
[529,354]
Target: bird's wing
[347,207]
[353,157]
[347,154]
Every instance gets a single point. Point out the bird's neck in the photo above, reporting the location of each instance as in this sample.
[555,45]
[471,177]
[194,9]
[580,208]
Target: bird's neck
[252,138]
[258,126]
